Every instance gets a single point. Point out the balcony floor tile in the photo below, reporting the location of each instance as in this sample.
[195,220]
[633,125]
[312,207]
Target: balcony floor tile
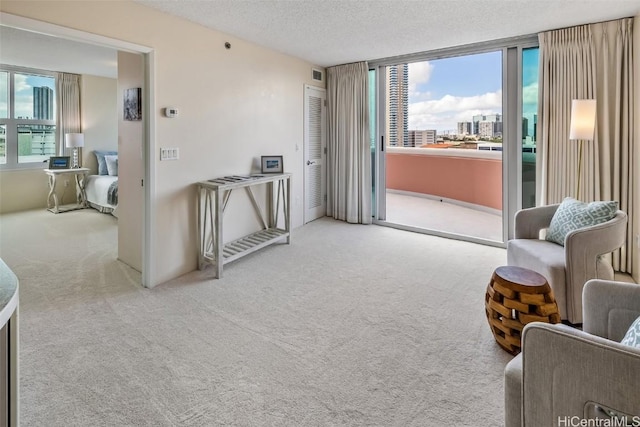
[442,216]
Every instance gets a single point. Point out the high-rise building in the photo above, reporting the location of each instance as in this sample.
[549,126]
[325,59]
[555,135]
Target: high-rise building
[465,128]
[485,129]
[491,130]
[525,128]
[418,138]
[530,127]
[43,103]
[494,118]
[398,101]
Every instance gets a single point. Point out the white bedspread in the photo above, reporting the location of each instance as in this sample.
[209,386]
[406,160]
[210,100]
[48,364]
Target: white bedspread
[97,187]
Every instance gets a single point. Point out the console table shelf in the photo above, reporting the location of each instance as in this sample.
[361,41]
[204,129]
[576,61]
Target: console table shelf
[212,201]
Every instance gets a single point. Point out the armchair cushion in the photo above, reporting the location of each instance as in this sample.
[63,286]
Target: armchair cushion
[545,258]
[573,214]
[632,337]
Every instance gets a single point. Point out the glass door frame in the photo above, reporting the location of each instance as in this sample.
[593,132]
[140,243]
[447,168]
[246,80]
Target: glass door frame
[512,97]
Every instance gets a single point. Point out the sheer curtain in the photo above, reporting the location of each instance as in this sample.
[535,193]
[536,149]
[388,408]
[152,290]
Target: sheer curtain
[349,153]
[68,104]
[588,62]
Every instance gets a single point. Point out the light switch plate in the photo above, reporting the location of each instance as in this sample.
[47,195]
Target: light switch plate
[169,153]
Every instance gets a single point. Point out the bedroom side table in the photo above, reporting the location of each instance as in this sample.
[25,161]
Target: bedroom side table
[79,174]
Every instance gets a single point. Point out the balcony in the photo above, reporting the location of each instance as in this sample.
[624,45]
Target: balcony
[448,190]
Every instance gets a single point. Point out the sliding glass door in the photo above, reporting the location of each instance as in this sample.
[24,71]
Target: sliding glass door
[445,159]
[529,124]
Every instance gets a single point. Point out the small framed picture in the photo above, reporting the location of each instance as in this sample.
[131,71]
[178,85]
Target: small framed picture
[272,164]
[61,162]
[133,104]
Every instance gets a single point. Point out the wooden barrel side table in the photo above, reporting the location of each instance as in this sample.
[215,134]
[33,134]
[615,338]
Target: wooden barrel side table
[516,296]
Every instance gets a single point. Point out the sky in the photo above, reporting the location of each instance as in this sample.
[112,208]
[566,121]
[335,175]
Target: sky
[24,84]
[446,91]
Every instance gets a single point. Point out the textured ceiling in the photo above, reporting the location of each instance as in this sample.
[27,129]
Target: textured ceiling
[331,32]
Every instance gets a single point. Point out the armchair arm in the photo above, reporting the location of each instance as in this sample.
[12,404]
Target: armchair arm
[564,368]
[529,222]
[609,308]
[582,247]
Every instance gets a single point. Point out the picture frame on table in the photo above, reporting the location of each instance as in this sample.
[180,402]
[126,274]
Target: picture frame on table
[59,162]
[272,164]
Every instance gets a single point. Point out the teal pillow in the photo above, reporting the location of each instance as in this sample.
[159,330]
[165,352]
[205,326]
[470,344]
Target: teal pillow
[102,164]
[573,214]
[632,337]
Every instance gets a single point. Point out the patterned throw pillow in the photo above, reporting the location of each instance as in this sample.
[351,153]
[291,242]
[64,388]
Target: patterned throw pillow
[573,214]
[632,337]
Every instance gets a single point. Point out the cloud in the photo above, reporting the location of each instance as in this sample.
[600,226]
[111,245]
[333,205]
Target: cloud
[446,112]
[23,103]
[530,94]
[20,82]
[419,74]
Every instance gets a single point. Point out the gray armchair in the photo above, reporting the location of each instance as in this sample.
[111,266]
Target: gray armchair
[566,268]
[563,372]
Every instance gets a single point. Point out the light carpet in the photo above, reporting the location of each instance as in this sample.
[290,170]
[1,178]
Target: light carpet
[350,325]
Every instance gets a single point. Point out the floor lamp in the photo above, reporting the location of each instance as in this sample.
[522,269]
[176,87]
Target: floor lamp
[582,128]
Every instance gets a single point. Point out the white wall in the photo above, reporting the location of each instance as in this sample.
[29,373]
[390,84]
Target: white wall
[235,105]
[99,117]
[23,189]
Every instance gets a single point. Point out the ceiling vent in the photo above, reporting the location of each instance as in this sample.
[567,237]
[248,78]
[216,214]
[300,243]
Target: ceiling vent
[316,74]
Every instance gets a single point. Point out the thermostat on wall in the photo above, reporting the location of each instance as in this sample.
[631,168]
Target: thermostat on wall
[170,112]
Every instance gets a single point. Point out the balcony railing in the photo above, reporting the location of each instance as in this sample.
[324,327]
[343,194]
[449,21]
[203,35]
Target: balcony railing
[473,177]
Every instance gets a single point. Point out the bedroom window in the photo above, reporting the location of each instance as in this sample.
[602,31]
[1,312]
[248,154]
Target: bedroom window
[27,117]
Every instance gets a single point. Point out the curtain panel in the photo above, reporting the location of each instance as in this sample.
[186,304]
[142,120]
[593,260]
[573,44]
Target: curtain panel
[588,62]
[68,119]
[348,146]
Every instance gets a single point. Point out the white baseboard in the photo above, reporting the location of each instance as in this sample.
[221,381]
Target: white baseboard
[447,200]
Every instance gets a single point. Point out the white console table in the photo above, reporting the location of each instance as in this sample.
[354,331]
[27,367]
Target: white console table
[79,174]
[212,201]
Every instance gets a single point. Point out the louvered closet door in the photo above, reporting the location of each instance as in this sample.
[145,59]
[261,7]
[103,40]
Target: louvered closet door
[315,148]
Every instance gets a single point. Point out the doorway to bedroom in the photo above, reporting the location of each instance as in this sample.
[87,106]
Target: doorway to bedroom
[103,124]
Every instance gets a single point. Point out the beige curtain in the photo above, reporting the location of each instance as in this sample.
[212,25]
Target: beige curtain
[349,153]
[588,62]
[68,103]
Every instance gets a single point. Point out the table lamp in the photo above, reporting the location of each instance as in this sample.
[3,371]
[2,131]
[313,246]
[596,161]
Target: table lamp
[74,140]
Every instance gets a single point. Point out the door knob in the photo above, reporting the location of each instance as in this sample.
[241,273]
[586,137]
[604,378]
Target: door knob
[309,162]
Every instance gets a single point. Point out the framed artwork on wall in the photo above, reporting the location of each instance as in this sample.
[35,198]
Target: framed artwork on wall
[272,164]
[133,104]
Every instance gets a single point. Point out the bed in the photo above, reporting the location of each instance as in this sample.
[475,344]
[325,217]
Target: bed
[102,189]
[102,193]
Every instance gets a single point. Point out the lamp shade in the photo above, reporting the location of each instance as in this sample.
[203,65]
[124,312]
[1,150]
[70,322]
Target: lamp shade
[583,119]
[73,140]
